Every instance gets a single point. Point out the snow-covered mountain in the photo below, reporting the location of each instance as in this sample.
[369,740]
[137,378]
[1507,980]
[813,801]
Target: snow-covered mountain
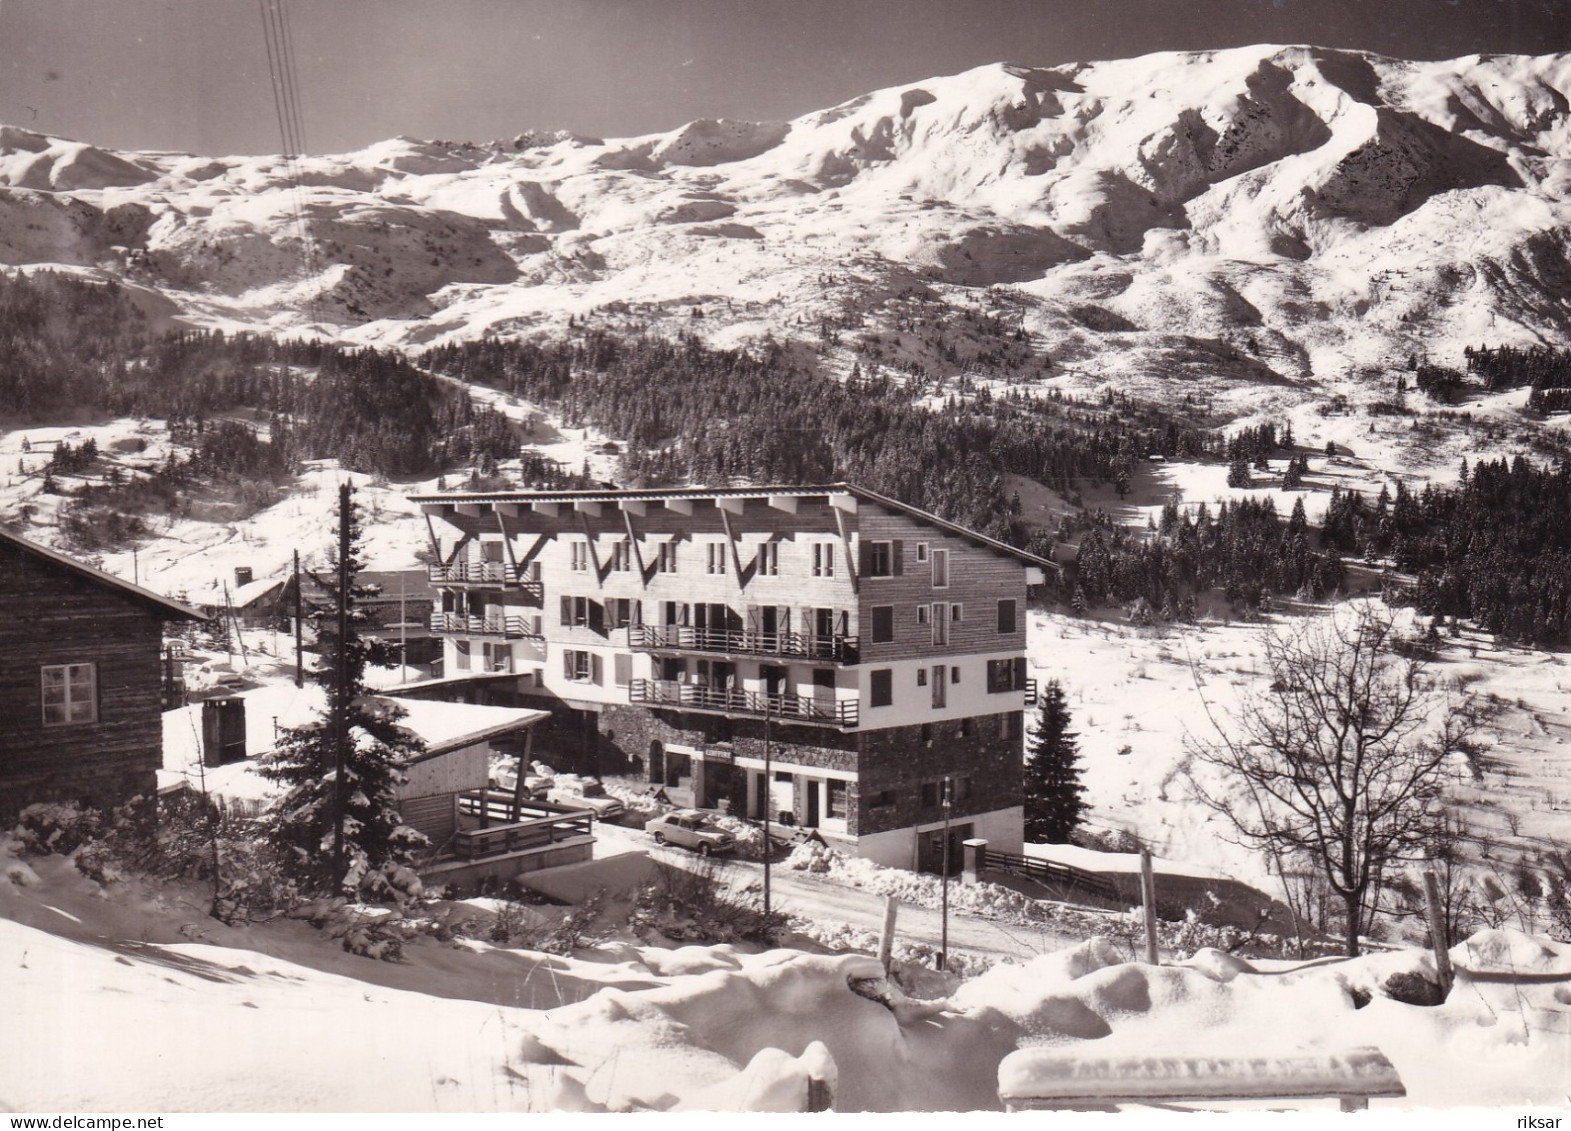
[1265,214]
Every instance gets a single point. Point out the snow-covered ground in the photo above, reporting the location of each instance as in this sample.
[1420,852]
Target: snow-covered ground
[127,999]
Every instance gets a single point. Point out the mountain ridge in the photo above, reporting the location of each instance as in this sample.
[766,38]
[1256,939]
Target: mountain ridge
[1277,213]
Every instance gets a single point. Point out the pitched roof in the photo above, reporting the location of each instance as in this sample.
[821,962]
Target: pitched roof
[157,601]
[657,494]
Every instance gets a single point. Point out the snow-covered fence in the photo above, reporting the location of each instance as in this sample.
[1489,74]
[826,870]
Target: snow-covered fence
[1046,1078]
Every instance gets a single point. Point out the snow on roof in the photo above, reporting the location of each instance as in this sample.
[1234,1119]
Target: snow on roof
[443,727]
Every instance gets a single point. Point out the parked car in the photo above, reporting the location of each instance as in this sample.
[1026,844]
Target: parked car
[506,779]
[691,829]
[585,793]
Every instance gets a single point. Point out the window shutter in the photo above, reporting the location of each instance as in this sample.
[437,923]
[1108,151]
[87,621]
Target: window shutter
[623,665]
[1020,673]
[638,611]
[864,557]
[898,554]
[567,665]
[755,618]
[597,617]
[567,610]
[596,668]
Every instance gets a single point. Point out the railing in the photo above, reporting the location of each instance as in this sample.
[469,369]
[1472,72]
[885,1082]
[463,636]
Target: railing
[837,648]
[545,824]
[729,701]
[1030,693]
[493,624]
[487,573]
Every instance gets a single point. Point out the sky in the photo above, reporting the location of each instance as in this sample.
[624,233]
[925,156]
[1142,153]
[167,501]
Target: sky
[193,75]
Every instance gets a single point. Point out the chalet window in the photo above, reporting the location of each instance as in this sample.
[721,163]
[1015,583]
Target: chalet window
[940,623]
[579,551]
[717,557]
[70,694]
[623,669]
[880,560]
[622,556]
[1006,675]
[882,799]
[883,624]
[965,728]
[769,559]
[881,687]
[921,614]
[575,611]
[496,657]
[956,614]
[839,791]
[954,674]
[940,688]
[960,788]
[581,667]
[921,551]
[1009,724]
[932,794]
[921,677]
[823,559]
[666,562]
[1006,616]
[927,732]
[491,551]
[940,569]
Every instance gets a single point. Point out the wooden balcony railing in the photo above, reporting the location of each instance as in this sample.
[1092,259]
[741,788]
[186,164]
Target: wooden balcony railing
[491,824]
[1030,693]
[494,624]
[729,701]
[791,645]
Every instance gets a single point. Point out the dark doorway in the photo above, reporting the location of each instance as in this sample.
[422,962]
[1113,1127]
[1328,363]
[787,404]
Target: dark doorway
[930,849]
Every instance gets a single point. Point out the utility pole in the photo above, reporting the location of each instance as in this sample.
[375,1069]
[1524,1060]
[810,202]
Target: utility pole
[769,799]
[299,651]
[341,684]
[943,948]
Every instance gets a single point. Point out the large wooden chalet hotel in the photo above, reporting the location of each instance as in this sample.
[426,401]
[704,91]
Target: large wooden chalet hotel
[878,648]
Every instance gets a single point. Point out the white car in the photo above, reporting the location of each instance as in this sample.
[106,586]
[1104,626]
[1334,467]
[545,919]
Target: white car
[506,779]
[586,793]
[692,829]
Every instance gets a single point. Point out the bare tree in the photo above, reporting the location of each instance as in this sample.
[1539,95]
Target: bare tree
[1341,761]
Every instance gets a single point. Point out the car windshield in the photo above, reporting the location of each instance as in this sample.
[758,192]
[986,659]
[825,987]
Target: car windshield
[592,789]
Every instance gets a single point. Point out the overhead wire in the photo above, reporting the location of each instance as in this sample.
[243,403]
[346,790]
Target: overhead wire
[287,110]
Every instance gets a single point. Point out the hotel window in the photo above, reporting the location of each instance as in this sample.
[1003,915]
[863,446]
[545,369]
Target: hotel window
[70,694]
[839,791]
[769,559]
[823,559]
[579,551]
[667,558]
[940,623]
[940,569]
[1006,675]
[717,557]
[881,687]
[622,556]
[1006,616]
[625,612]
[581,667]
[880,560]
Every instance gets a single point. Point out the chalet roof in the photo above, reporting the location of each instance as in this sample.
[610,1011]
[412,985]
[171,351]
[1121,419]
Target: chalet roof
[660,494]
[158,602]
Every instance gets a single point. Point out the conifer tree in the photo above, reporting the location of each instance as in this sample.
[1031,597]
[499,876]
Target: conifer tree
[1054,801]
[377,846]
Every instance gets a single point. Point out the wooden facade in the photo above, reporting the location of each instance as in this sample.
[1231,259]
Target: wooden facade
[664,626]
[80,673]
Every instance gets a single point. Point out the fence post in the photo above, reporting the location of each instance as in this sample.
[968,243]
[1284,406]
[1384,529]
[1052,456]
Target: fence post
[1148,900]
[975,859]
[886,940]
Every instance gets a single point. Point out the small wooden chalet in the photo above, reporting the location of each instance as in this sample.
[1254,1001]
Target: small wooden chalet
[80,680]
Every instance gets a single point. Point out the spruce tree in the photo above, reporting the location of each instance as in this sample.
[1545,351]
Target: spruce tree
[376,846]
[1054,802]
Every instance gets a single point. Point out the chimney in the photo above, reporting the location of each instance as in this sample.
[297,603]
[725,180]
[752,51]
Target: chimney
[242,576]
[223,731]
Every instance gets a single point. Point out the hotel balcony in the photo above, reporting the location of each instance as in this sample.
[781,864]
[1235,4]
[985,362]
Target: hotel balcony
[837,649]
[490,574]
[494,624]
[751,704]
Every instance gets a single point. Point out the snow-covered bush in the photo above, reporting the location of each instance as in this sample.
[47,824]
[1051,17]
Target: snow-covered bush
[54,828]
[692,905]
